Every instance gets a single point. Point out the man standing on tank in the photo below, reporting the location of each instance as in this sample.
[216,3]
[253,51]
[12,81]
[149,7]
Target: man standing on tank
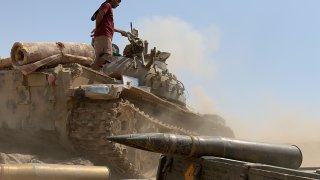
[103,33]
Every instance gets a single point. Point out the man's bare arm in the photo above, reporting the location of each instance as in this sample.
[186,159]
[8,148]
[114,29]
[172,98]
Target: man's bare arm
[123,33]
[99,18]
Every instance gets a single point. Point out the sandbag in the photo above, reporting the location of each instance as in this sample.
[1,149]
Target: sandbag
[5,63]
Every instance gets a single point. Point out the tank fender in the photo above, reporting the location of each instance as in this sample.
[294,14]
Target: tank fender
[97,91]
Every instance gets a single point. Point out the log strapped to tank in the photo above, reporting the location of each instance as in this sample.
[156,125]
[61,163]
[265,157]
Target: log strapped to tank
[29,56]
[5,62]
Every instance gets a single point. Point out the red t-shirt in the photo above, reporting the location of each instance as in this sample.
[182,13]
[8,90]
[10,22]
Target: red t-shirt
[106,27]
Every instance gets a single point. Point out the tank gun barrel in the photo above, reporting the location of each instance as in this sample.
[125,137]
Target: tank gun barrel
[288,156]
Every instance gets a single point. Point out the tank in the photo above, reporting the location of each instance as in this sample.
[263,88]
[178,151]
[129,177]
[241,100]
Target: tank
[219,158]
[48,88]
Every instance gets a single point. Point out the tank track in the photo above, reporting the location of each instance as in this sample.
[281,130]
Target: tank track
[170,113]
[91,121]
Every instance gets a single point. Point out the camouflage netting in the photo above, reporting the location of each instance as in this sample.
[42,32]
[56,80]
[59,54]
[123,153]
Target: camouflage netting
[27,57]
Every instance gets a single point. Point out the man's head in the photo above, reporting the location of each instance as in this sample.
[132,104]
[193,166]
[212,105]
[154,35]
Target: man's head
[114,3]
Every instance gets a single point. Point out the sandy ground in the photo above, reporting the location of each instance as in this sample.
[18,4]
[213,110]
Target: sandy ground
[40,147]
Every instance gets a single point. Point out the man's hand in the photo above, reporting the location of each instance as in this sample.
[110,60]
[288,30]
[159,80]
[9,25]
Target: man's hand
[124,33]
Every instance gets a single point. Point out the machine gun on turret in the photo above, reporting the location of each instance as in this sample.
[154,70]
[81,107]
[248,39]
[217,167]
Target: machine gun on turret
[137,46]
[209,157]
[138,49]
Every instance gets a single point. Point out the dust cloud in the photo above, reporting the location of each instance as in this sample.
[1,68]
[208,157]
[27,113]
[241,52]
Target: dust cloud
[188,46]
[202,102]
[281,123]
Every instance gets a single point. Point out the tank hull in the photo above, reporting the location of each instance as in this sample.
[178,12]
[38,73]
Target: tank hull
[32,105]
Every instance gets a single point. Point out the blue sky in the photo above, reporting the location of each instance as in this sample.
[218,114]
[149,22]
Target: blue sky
[256,63]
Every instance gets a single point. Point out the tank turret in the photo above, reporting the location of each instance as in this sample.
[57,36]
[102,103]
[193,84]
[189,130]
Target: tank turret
[150,69]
